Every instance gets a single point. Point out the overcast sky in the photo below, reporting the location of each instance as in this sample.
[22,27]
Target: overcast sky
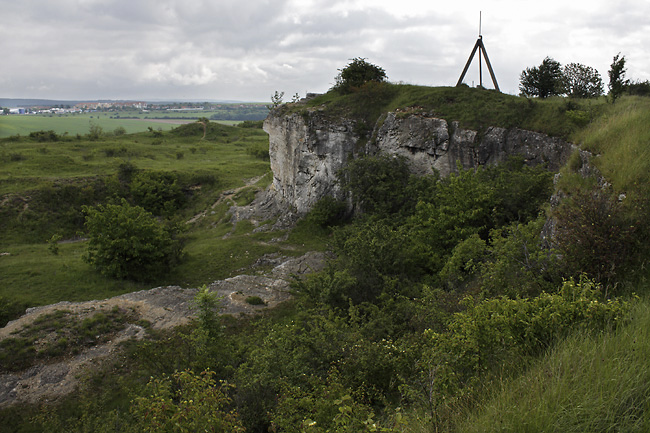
[247,49]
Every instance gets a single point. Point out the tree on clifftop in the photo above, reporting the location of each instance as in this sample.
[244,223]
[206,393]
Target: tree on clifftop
[544,80]
[582,81]
[356,74]
[617,81]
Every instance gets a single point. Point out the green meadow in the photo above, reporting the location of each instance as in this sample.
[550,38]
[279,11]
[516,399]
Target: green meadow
[72,125]
[46,178]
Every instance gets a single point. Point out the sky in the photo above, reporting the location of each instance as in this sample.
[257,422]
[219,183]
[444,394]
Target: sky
[246,50]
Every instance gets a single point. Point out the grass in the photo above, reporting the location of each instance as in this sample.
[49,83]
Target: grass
[587,383]
[71,125]
[58,334]
[621,138]
[131,121]
[25,164]
[43,191]
[473,108]
[31,275]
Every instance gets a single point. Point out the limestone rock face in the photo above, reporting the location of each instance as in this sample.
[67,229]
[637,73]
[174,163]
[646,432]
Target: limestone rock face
[307,149]
[431,144]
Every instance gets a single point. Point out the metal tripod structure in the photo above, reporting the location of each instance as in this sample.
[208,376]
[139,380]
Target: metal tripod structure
[481,50]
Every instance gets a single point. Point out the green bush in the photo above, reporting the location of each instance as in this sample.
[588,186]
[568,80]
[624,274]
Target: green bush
[9,310]
[496,332]
[255,300]
[378,184]
[127,242]
[599,235]
[186,402]
[257,124]
[356,74]
[158,192]
[327,212]
[44,136]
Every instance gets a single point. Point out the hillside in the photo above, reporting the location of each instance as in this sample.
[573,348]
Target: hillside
[442,303]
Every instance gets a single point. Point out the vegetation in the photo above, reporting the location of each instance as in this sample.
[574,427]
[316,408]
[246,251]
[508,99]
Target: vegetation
[617,81]
[33,344]
[119,122]
[443,308]
[551,79]
[127,242]
[544,80]
[357,73]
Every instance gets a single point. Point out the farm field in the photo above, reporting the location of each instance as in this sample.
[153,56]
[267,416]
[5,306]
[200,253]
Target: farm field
[73,124]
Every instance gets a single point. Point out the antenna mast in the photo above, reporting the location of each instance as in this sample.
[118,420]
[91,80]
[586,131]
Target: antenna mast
[481,50]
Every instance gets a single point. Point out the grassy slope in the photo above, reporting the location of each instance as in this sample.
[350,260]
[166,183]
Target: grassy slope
[621,138]
[587,383]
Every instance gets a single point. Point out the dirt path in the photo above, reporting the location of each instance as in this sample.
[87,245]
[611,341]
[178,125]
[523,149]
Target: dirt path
[226,196]
[163,307]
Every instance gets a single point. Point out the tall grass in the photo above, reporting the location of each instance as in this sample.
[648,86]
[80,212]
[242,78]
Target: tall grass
[621,138]
[588,383]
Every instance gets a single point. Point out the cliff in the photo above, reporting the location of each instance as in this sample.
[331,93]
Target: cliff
[308,148]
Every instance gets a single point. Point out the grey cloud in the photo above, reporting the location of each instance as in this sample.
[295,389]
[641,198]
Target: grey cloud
[237,49]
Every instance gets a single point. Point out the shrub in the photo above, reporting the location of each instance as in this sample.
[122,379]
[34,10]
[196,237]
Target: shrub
[159,193]
[494,332]
[378,184]
[256,124]
[186,402]
[596,234]
[9,310]
[44,136]
[327,212]
[255,300]
[356,74]
[259,151]
[128,242]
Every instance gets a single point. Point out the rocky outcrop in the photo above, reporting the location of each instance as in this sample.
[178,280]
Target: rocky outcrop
[431,144]
[163,307]
[307,149]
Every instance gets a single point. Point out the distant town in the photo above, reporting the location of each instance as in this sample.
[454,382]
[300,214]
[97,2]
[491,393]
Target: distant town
[113,106]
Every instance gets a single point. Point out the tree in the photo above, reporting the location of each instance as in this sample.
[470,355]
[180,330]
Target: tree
[356,74]
[543,81]
[377,184]
[617,81]
[276,100]
[157,192]
[582,81]
[128,242]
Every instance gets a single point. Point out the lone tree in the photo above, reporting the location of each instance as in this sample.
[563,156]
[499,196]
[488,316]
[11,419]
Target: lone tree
[582,81]
[127,242]
[544,80]
[356,74]
[617,81]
